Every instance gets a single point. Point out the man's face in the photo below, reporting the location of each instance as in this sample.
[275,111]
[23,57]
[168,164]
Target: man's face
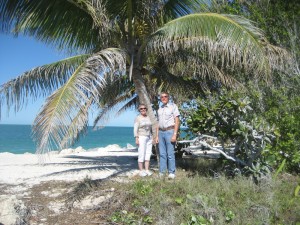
[164,98]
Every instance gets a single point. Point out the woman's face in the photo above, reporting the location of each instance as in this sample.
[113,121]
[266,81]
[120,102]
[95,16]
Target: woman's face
[143,110]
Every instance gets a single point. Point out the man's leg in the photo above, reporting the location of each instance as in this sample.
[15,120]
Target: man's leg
[170,151]
[162,152]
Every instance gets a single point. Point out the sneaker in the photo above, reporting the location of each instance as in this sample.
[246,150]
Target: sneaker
[171,176]
[161,175]
[148,172]
[142,174]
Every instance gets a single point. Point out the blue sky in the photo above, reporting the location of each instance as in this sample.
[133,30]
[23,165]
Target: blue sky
[20,54]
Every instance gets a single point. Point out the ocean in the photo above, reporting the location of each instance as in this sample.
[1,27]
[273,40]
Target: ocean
[17,138]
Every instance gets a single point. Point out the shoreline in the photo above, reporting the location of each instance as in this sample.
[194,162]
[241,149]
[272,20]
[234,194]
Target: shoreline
[17,139]
[71,149]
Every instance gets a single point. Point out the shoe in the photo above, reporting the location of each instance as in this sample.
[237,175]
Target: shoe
[171,176]
[161,175]
[142,174]
[148,172]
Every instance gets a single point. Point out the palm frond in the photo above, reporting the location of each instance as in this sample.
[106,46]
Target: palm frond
[163,80]
[40,81]
[70,25]
[115,108]
[229,41]
[77,127]
[114,97]
[174,8]
[132,103]
[194,78]
[96,9]
[51,124]
[182,64]
[54,127]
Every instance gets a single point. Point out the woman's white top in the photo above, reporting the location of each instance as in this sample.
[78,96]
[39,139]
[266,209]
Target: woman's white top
[142,126]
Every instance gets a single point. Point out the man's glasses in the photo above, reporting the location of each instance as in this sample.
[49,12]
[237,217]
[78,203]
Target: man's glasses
[143,109]
[164,96]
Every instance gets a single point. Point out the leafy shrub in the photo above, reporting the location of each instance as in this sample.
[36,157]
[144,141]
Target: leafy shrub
[284,112]
[230,118]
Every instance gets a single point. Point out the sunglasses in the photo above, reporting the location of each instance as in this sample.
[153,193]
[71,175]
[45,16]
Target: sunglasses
[143,108]
[164,96]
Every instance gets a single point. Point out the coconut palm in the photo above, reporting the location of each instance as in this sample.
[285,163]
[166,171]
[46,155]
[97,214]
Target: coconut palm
[125,51]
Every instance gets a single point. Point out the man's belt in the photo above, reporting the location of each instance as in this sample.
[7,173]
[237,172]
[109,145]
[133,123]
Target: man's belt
[167,128]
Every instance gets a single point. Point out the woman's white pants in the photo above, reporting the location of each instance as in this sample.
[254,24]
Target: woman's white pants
[145,148]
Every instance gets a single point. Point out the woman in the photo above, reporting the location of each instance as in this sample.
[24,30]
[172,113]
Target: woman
[143,139]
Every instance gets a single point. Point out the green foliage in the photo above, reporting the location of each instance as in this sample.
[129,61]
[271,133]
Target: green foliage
[196,220]
[276,18]
[179,200]
[198,200]
[142,188]
[124,217]
[148,220]
[297,191]
[129,218]
[230,118]
[229,216]
[281,108]
[279,104]
[258,169]
[273,115]
[280,169]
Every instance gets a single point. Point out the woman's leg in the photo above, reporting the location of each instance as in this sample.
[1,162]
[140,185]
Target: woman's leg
[148,152]
[147,163]
[142,151]
[141,166]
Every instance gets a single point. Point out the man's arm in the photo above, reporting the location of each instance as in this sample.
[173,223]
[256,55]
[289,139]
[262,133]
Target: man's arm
[174,137]
[176,125]
[156,139]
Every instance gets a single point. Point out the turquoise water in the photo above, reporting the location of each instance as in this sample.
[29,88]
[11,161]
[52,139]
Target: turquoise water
[17,138]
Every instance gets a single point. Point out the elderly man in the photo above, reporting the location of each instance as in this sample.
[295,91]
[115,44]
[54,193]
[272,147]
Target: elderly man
[168,123]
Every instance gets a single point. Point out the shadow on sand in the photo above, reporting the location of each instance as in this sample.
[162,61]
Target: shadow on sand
[120,164]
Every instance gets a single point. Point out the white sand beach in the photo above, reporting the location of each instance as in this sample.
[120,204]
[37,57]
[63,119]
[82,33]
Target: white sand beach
[19,172]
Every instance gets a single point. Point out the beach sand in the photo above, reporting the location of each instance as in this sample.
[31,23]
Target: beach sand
[19,173]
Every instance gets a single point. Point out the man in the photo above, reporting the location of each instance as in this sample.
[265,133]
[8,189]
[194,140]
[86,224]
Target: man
[168,123]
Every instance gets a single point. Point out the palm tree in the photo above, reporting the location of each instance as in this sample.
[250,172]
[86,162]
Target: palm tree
[122,48]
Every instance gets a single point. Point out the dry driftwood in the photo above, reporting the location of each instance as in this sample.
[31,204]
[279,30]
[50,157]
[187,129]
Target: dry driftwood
[200,147]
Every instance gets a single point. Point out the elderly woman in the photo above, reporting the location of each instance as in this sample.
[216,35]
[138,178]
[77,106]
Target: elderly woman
[143,139]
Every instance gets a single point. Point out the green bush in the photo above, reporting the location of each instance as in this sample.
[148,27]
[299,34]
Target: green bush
[273,115]
[230,118]
[284,112]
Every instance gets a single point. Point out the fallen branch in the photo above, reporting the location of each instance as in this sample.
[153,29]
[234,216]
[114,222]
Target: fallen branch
[223,153]
[201,144]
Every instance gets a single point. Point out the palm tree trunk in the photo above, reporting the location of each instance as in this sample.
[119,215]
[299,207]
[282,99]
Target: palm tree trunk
[141,91]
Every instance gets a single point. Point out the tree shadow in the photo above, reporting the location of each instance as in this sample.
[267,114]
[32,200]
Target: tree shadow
[120,164]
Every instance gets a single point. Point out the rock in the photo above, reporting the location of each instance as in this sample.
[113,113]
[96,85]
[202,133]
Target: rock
[12,210]
[91,202]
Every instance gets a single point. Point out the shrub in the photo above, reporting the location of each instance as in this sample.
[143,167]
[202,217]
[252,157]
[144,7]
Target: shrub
[230,118]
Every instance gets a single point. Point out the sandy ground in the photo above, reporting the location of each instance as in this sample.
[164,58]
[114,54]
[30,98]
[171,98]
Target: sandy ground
[19,174]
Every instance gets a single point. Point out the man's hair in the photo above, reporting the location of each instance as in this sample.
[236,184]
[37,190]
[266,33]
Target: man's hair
[164,92]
